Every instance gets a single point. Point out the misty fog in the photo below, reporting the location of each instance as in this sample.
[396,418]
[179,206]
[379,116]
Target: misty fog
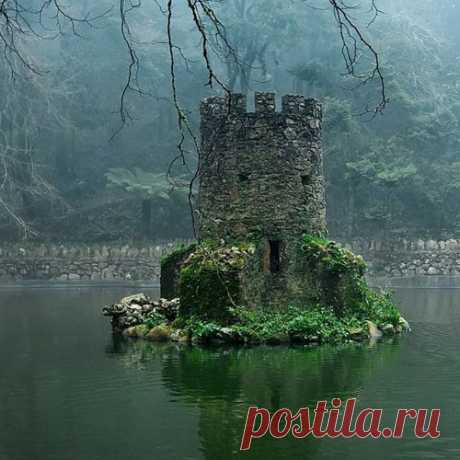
[90,110]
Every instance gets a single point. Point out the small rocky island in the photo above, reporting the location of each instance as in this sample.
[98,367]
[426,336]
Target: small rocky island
[262,270]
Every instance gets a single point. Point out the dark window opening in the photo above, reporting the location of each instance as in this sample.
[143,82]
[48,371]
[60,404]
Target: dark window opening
[243,177]
[275,256]
[306,180]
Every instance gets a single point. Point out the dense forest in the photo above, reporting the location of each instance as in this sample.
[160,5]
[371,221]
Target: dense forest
[94,96]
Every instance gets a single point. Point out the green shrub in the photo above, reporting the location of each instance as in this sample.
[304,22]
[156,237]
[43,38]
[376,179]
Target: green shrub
[332,256]
[200,329]
[318,323]
[381,308]
[154,319]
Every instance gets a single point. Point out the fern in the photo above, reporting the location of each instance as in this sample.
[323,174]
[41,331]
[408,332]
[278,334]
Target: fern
[143,183]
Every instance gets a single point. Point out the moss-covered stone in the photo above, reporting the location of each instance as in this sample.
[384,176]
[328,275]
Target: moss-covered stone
[210,280]
[160,333]
[139,331]
[170,269]
[335,271]
[323,295]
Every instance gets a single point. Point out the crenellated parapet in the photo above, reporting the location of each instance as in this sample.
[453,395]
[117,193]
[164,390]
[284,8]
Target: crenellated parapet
[265,103]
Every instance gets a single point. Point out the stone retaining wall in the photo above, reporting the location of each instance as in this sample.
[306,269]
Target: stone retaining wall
[130,262]
[77,262]
[410,258]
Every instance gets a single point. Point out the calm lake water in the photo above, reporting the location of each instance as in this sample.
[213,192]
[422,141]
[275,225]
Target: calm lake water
[69,390]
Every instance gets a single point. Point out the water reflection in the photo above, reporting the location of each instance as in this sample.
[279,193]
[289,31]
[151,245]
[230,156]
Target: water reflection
[223,383]
[70,391]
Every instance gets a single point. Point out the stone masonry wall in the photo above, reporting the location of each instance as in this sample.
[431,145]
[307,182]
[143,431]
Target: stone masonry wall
[261,172]
[261,180]
[129,262]
[410,258]
[77,262]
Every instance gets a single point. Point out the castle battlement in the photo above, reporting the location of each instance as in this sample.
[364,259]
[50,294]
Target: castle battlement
[265,103]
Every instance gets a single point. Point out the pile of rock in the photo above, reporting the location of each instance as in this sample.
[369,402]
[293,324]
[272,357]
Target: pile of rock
[137,309]
[373,331]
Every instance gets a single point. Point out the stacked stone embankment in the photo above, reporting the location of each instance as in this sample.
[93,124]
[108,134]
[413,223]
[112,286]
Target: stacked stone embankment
[71,262]
[64,262]
[408,258]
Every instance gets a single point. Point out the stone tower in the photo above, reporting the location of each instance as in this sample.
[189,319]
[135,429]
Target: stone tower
[261,179]
[261,172]
[261,190]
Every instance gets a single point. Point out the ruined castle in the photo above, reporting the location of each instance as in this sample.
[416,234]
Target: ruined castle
[261,246]
[261,180]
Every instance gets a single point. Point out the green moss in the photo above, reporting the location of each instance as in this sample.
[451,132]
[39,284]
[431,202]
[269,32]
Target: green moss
[141,330]
[332,257]
[177,254]
[160,333]
[209,281]
[336,271]
[170,267]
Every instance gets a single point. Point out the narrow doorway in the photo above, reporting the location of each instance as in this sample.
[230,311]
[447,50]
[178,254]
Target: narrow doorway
[275,250]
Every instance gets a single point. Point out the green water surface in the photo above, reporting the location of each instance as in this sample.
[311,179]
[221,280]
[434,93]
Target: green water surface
[69,390]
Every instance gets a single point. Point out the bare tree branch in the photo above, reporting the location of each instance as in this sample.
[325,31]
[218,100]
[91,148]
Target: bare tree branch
[19,21]
[352,38]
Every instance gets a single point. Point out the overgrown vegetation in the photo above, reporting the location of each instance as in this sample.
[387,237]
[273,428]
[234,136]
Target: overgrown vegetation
[177,253]
[154,319]
[210,294]
[332,257]
[210,279]
[315,324]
